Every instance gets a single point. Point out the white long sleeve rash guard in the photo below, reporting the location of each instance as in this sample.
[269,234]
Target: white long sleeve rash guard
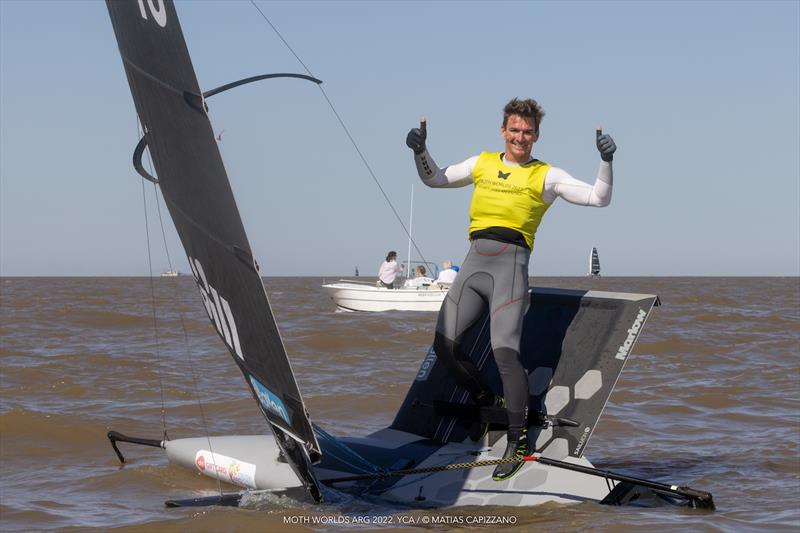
[557,182]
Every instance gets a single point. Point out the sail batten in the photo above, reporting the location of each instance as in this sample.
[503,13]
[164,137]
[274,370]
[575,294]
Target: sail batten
[152,78]
[198,196]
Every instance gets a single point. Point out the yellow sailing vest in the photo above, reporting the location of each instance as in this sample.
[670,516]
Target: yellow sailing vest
[507,196]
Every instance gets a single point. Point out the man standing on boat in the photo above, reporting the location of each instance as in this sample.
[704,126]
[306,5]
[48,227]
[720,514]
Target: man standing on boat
[511,195]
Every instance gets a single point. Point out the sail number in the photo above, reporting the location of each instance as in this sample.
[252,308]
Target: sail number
[218,309]
[159,13]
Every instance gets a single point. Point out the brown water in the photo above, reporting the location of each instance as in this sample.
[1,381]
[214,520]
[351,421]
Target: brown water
[710,398]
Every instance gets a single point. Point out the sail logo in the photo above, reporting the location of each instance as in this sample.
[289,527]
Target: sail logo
[427,365]
[269,400]
[623,350]
[159,13]
[579,447]
[218,309]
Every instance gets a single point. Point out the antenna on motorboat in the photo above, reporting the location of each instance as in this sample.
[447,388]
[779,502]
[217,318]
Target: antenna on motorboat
[410,224]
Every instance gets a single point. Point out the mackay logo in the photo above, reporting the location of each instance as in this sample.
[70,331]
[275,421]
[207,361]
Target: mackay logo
[623,350]
[218,309]
[502,175]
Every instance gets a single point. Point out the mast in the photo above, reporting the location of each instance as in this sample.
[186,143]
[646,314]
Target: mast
[410,222]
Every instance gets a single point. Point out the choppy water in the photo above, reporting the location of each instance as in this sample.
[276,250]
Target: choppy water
[710,398]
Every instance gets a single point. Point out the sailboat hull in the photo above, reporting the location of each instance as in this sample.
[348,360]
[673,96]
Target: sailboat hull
[252,462]
[249,461]
[575,345]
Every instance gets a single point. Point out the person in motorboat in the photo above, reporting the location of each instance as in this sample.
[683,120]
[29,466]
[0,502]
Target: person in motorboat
[420,279]
[448,274]
[512,192]
[388,271]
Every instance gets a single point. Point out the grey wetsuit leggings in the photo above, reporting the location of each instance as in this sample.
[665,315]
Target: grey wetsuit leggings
[494,277]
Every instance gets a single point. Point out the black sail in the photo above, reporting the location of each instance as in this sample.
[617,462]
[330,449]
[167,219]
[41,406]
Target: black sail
[594,263]
[198,195]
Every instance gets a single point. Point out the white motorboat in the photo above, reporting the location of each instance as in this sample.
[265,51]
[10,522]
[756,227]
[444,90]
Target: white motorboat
[351,295]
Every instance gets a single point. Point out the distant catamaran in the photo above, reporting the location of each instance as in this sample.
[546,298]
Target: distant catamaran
[594,264]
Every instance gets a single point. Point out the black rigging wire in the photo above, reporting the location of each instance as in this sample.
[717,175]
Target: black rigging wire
[349,136]
[153,307]
[161,222]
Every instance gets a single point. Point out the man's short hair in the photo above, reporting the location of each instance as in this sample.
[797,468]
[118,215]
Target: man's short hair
[525,108]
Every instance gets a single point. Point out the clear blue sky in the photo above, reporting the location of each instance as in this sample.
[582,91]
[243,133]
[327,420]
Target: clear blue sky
[702,98]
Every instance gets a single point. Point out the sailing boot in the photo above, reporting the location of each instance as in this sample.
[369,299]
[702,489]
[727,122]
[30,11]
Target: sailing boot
[479,429]
[517,447]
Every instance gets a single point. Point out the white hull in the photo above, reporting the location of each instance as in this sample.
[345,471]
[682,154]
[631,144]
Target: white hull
[350,296]
[251,462]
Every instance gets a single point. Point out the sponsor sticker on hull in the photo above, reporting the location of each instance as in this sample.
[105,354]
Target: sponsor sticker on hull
[226,468]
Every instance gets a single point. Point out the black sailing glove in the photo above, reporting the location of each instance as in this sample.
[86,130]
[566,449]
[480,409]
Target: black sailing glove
[416,137]
[605,145]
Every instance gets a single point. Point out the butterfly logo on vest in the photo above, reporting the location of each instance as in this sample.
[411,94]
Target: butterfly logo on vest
[503,176]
